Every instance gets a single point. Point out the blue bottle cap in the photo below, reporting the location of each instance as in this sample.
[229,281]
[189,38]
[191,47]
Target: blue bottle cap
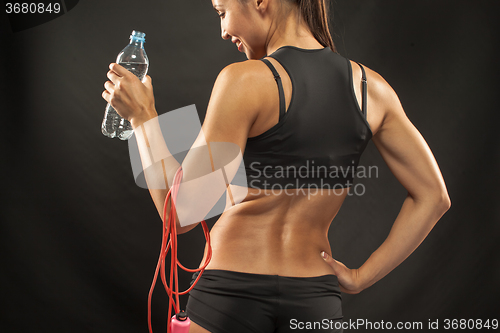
[138,35]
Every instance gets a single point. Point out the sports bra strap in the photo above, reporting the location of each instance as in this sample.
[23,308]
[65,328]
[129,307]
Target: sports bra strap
[277,77]
[363,80]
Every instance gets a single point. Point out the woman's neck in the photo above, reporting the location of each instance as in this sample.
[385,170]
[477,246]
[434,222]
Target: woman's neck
[291,31]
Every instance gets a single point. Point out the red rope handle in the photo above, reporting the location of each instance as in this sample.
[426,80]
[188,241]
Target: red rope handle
[170,234]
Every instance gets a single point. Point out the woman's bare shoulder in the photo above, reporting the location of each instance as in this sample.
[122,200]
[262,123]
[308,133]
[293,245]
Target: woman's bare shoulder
[382,99]
[249,72]
[249,80]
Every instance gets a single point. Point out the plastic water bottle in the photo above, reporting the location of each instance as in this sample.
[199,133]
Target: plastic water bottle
[133,57]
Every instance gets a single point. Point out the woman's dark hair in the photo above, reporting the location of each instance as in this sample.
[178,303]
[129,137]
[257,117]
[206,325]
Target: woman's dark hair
[316,14]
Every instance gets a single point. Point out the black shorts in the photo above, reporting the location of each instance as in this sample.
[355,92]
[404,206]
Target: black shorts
[234,302]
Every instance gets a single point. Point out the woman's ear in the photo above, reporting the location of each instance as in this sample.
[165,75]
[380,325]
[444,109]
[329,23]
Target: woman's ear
[261,5]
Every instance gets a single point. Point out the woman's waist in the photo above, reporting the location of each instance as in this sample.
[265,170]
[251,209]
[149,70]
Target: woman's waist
[273,236]
[295,255]
[297,268]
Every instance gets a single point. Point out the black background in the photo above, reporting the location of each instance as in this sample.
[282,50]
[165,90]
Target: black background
[79,241]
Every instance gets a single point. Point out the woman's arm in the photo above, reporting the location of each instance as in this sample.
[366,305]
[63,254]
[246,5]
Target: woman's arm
[231,112]
[411,161]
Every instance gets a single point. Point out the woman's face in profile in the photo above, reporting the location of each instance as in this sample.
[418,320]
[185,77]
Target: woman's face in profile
[243,24]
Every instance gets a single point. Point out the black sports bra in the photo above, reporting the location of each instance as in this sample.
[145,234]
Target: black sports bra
[319,140]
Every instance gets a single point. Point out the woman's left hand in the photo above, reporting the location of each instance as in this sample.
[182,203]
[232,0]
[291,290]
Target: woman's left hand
[132,99]
[349,279]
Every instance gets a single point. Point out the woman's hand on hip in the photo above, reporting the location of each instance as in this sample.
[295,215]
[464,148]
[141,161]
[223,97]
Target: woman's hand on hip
[349,279]
[131,98]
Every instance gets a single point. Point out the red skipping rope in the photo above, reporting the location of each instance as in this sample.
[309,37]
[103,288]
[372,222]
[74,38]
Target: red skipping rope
[170,234]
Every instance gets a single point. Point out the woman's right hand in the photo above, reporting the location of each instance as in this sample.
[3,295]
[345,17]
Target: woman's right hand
[131,98]
[349,279]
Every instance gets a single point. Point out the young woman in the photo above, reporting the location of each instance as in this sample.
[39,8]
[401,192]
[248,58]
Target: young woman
[294,101]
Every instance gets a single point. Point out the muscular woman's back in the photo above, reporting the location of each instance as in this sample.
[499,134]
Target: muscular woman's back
[281,232]
[275,234]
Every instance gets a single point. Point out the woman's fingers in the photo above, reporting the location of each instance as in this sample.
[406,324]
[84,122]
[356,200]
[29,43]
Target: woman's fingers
[106,95]
[347,277]
[109,86]
[148,82]
[330,261]
[118,69]
[113,76]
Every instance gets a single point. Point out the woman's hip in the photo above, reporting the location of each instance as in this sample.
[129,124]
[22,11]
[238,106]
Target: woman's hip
[225,300]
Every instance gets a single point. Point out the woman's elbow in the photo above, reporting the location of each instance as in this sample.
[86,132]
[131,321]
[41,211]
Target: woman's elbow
[437,199]
[442,201]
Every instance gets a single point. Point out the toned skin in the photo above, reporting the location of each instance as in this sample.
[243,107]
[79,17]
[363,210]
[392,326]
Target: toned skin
[286,234]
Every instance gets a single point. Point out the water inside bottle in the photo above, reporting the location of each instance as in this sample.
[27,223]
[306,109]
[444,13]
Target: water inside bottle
[137,69]
[110,122]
